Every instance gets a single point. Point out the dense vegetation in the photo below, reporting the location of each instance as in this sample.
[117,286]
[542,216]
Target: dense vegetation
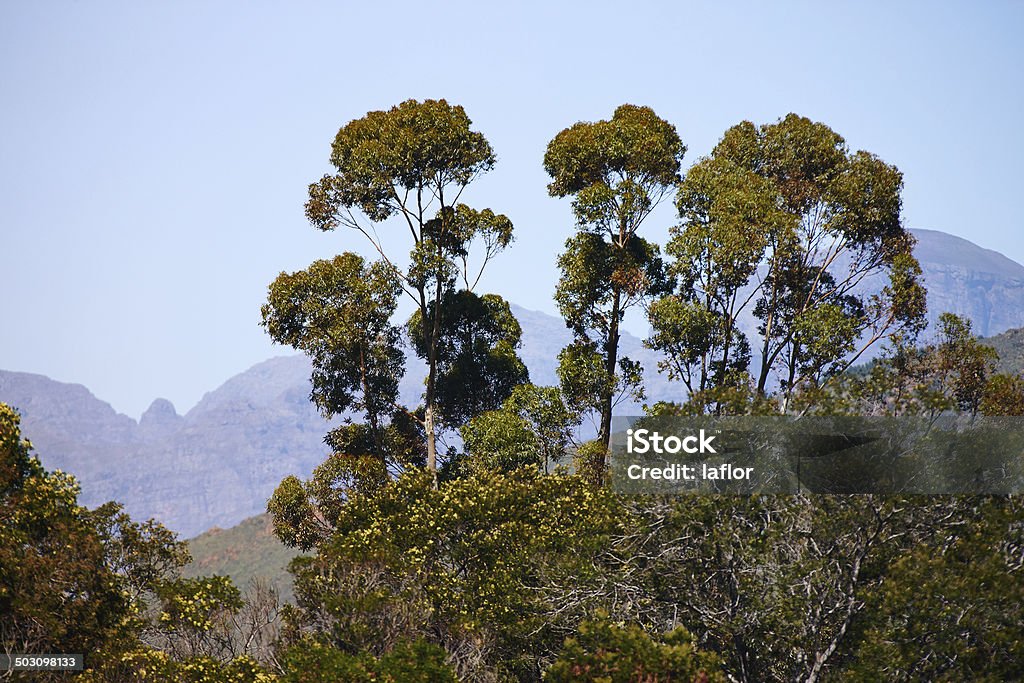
[474,537]
[247,551]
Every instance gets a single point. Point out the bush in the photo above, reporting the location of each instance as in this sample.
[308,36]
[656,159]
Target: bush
[604,652]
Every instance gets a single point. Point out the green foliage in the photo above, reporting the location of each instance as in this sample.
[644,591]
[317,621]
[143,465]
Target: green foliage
[413,162]
[631,155]
[583,377]
[595,270]
[953,373]
[790,588]
[533,427]
[59,589]
[953,609]
[305,513]
[783,222]
[725,400]
[75,580]
[702,348]
[198,605]
[500,440]
[964,364]
[1004,395]
[155,666]
[589,462]
[477,364]
[729,215]
[604,652]
[478,567]
[417,662]
[550,419]
[338,312]
[206,627]
[142,554]
[499,568]
[198,627]
[617,171]
[413,147]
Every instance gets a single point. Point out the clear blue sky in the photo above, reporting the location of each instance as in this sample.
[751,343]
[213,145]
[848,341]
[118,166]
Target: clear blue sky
[155,156]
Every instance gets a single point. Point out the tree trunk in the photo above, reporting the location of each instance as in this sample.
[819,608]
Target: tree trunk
[725,357]
[429,416]
[762,376]
[428,426]
[611,349]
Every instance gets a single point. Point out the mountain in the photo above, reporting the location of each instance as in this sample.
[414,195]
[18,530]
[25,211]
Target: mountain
[211,467]
[217,464]
[963,278]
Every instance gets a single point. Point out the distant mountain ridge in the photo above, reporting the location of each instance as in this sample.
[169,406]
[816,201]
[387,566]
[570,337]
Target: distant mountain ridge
[218,463]
[210,467]
[963,278]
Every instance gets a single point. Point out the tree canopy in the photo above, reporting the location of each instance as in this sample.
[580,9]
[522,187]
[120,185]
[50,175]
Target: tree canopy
[413,163]
[617,172]
[784,223]
[339,312]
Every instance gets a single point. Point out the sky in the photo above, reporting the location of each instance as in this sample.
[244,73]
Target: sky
[155,157]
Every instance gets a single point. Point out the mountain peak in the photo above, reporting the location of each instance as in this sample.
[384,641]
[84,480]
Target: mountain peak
[943,249]
[160,412]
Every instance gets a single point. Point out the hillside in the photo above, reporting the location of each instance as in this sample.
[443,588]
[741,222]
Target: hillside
[1010,347]
[246,551]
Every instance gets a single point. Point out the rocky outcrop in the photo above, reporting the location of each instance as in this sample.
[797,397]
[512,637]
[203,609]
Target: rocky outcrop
[216,465]
[160,420]
[963,278]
